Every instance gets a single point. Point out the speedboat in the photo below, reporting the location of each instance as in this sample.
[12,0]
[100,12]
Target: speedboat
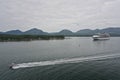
[11,66]
[101,36]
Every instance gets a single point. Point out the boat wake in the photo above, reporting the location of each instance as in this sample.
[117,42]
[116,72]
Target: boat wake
[63,61]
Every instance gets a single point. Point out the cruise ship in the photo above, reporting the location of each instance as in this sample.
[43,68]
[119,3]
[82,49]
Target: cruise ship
[101,36]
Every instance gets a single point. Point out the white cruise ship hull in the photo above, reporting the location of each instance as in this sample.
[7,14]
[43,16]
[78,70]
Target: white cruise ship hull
[100,38]
[96,37]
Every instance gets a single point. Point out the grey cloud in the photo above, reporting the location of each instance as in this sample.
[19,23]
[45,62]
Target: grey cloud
[52,15]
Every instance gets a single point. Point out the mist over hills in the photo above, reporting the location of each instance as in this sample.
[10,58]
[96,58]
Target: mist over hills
[84,32]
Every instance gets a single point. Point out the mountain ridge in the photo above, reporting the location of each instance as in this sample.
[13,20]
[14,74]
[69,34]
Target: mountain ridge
[35,31]
[84,32]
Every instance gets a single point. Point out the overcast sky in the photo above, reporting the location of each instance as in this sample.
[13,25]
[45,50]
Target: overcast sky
[55,15]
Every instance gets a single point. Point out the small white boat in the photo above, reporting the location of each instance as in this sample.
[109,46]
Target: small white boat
[101,36]
[11,66]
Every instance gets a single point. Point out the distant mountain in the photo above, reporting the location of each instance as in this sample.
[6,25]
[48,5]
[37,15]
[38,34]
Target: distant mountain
[85,32]
[112,31]
[14,32]
[65,32]
[89,32]
[0,32]
[35,31]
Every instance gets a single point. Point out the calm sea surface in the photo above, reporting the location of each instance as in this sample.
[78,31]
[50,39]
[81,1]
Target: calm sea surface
[55,50]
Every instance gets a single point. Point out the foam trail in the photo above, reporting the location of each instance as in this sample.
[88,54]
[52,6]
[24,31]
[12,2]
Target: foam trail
[63,61]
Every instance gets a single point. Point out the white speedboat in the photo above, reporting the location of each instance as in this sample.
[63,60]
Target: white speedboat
[12,65]
[101,36]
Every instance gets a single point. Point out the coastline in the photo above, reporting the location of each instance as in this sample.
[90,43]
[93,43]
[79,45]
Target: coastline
[10,38]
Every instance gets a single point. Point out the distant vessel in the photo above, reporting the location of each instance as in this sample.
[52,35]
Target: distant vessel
[101,36]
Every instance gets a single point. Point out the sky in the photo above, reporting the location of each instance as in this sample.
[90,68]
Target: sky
[55,15]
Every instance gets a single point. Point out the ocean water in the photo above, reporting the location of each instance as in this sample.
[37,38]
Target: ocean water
[74,58]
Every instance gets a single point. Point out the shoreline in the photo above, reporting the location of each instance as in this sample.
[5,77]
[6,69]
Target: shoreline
[12,38]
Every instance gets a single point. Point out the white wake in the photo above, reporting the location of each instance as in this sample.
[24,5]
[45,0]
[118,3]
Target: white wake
[63,61]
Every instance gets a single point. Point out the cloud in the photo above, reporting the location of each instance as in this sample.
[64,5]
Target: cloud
[52,15]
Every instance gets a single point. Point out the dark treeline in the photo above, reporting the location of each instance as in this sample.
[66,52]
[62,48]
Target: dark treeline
[4,37]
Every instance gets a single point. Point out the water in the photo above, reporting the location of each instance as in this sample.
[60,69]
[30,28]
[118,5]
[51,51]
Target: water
[77,58]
